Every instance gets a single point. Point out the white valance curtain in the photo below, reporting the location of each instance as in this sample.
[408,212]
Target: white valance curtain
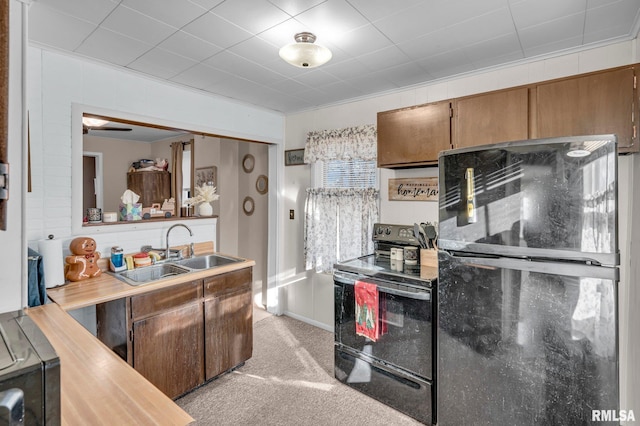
[339,221]
[350,143]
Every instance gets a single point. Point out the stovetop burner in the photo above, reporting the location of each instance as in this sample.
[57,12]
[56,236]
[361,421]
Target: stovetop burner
[384,268]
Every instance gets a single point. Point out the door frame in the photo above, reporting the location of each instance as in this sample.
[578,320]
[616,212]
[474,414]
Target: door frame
[99,180]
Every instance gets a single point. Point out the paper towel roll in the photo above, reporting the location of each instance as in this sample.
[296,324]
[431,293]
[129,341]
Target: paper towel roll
[53,262]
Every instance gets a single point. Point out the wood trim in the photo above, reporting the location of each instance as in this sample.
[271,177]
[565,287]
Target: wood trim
[4,95]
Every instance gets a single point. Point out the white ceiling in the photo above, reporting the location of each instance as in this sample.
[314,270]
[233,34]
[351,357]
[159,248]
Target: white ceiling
[230,47]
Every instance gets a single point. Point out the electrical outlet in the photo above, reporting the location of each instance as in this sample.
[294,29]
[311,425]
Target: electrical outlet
[291,214]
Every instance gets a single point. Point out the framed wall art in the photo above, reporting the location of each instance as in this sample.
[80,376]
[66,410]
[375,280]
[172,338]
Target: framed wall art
[294,157]
[206,175]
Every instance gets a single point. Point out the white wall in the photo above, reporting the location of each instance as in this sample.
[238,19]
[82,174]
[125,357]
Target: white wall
[61,87]
[309,296]
[13,262]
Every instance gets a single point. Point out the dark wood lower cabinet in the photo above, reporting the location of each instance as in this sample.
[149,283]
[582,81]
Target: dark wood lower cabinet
[168,349]
[180,336]
[229,334]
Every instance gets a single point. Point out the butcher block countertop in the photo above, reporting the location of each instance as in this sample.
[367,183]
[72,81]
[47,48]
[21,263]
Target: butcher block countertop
[97,386]
[106,287]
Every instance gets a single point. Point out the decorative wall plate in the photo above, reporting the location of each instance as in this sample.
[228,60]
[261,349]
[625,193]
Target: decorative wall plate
[248,162]
[262,184]
[248,206]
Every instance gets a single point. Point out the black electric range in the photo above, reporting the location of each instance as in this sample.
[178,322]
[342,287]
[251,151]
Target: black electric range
[396,366]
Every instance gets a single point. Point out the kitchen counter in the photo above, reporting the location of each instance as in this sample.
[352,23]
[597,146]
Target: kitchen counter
[98,387]
[106,287]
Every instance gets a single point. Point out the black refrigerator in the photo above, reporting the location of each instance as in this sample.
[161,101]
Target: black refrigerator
[527,324]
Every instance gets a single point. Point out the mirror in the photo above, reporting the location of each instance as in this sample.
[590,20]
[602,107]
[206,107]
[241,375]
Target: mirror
[248,162]
[248,206]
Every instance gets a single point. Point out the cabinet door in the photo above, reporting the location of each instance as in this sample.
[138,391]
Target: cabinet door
[168,349]
[229,330]
[491,118]
[599,103]
[152,186]
[414,136]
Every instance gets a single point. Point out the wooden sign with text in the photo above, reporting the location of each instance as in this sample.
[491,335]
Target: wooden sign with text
[413,189]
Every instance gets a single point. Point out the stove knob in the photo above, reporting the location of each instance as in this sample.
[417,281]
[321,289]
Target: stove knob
[387,231]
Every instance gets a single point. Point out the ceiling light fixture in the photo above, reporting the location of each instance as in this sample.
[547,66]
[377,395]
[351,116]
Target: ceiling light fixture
[304,53]
[93,122]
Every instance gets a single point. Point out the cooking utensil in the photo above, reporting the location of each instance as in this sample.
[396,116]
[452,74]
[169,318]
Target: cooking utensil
[419,235]
[431,235]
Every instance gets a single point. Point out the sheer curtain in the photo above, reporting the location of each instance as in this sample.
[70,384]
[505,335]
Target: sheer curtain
[339,221]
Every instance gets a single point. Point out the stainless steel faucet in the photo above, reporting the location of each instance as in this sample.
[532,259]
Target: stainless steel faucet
[167,253]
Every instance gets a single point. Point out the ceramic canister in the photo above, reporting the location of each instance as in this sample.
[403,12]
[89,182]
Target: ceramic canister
[94,215]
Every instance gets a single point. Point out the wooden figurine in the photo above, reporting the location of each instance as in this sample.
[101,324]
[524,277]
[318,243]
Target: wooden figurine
[83,263]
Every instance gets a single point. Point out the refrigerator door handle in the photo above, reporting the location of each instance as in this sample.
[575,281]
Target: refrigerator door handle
[547,267]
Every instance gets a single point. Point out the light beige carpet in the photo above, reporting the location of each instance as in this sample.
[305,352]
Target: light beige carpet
[288,381]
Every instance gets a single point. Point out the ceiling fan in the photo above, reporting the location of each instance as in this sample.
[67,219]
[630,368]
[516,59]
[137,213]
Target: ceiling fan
[89,123]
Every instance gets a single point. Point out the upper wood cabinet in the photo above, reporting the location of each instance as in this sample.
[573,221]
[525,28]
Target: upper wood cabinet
[491,118]
[151,186]
[414,136]
[596,103]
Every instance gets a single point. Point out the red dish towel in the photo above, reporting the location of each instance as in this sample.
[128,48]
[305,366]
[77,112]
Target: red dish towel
[367,315]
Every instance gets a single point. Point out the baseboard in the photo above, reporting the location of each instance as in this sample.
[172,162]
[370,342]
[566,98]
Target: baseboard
[309,321]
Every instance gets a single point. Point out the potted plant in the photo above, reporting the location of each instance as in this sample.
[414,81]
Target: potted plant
[205,194]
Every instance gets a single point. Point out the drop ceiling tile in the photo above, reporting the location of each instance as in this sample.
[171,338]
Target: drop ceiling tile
[207,4]
[345,70]
[548,33]
[331,19]
[529,13]
[362,40]
[378,9]
[428,45]
[189,46]
[446,64]
[161,63]
[256,50]
[200,76]
[618,18]
[406,75]
[239,66]
[70,34]
[176,14]
[283,33]
[215,30]
[487,26]
[94,11]
[507,45]
[315,78]
[112,47]
[136,25]
[385,58]
[552,46]
[294,7]
[261,15]
[373,82]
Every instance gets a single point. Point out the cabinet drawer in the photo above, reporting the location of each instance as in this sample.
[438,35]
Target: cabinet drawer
[228,281]
[154,302]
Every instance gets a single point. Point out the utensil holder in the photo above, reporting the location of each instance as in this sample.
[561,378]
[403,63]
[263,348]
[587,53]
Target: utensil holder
[429,257]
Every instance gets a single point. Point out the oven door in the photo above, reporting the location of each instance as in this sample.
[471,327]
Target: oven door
[391,386]
[407,315]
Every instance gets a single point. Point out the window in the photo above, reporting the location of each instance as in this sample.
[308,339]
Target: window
[342,206]
[348,174]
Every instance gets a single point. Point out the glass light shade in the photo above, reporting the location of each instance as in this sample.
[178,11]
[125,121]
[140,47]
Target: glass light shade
[304,53]
[93,122]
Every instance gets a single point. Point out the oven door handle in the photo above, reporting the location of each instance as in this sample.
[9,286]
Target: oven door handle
[417,295]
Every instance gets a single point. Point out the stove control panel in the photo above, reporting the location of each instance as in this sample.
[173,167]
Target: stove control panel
[394,234]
